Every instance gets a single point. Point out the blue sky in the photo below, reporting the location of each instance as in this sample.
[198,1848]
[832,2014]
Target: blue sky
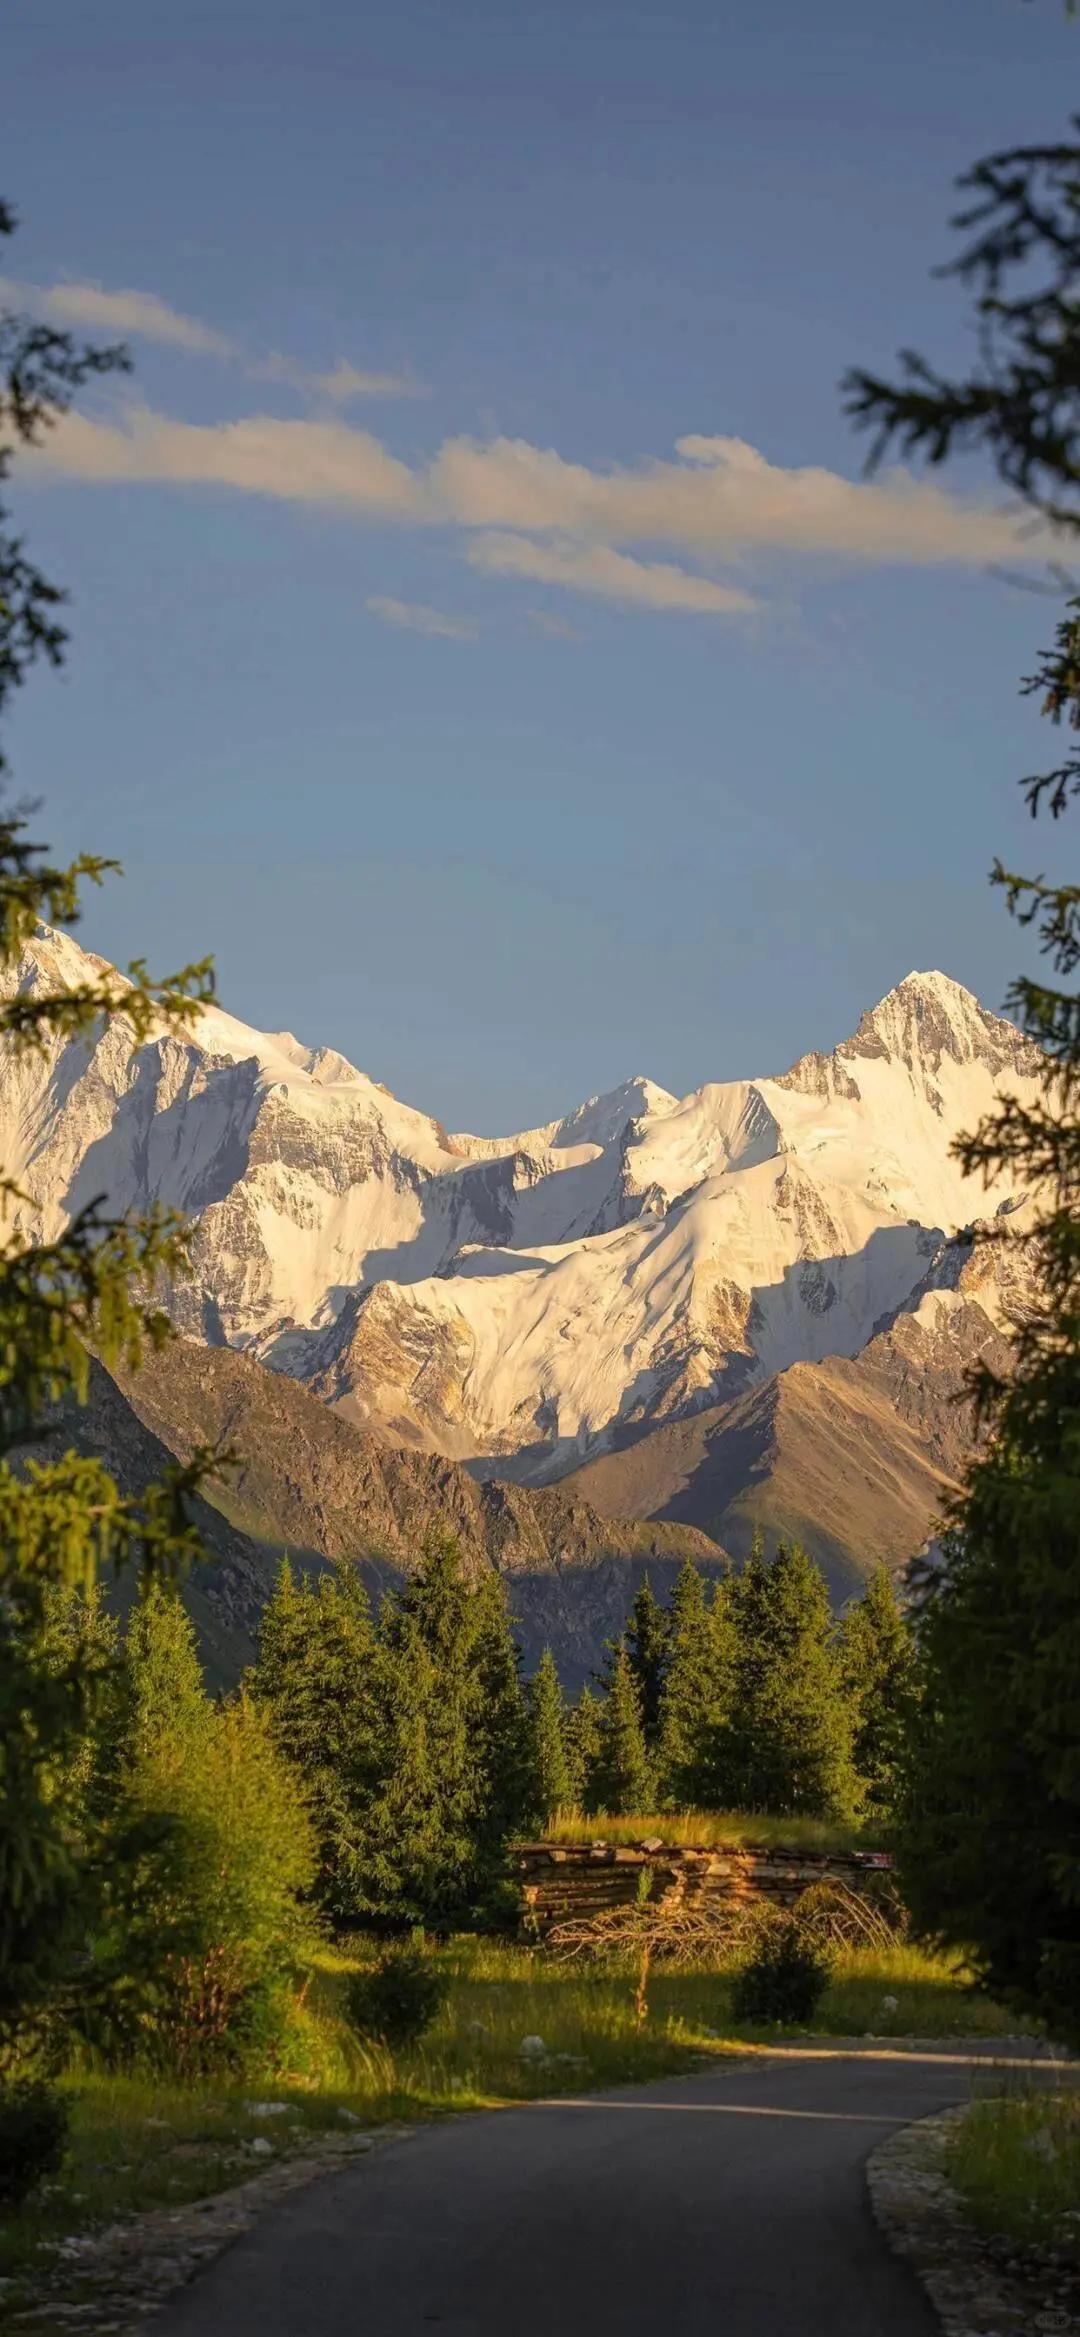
[476,729]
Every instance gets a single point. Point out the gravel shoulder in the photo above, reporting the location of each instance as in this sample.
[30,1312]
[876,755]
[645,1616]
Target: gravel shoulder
[978,2287]
[116,2281]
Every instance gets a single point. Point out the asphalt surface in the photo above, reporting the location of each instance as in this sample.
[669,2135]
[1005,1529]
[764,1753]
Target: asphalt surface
[732,2204]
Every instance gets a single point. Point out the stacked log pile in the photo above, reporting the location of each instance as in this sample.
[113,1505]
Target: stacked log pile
[564,1881]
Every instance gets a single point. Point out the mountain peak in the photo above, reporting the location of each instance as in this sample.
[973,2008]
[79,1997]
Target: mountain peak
[928,1016]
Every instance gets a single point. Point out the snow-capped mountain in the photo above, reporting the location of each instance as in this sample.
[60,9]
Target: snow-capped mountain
[540,1298]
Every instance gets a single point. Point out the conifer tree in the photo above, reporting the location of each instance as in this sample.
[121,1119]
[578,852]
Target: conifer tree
[499,1732]
[991,1803]
[162,1690]
[622,1783]
[320,1677]
[96,1283]
[877,1656]
[788,1750]
[582,1740]
[455,1780]
[81,1637]
[647,1633]
[696,1701]
[553,1786]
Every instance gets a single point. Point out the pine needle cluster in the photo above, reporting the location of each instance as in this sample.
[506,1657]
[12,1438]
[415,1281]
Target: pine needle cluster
[991,1832]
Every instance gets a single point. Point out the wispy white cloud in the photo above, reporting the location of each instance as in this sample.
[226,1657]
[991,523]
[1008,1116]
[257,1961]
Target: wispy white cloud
[596,568]
[290,461]
[545,622]
[143,316]
[138,314]
[343,382]
[721,500]
[413,617]
[726,505]
[527,512]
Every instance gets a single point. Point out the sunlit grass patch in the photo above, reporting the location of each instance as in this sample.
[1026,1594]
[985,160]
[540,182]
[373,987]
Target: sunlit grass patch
[908,1991]
[713,1830]
[1016,2163]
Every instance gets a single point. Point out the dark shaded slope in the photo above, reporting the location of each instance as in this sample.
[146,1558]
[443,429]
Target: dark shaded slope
[311,1484]
[310,1480]
[227,1594]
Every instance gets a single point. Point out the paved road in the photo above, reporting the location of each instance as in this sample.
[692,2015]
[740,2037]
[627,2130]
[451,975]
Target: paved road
[731,2205]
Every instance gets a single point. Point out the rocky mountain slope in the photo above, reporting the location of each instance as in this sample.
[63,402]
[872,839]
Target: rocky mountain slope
[308,1481]
[311,1484]
[856,1457]
[532,1302]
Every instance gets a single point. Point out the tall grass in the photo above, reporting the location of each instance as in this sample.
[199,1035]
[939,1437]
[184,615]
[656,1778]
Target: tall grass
[714,1830]
[1016,2163]
[908,1991]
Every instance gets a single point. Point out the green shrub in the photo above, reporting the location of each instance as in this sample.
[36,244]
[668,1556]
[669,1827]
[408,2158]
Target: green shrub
[398,1999]
[204,1941]
[784,1979]
[33,2132]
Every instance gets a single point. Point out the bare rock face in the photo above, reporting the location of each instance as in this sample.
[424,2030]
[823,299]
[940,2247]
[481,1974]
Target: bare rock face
[532,1303]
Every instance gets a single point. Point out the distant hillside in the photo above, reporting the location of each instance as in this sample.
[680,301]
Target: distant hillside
[226,1595]
[311,1484]
[308,1480]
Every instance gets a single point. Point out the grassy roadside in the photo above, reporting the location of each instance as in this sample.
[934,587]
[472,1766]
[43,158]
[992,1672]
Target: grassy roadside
[1015,2162]
[137,2144]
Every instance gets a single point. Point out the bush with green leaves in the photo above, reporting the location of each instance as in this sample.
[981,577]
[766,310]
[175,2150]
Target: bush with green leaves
[398,1999]
[203,1929]
[33,2133]
[784,1980]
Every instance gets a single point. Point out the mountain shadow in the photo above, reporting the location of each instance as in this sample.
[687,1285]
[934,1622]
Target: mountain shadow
[311,1485]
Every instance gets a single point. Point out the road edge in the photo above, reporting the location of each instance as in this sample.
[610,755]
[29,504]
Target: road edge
[972,2290]
[119,2279]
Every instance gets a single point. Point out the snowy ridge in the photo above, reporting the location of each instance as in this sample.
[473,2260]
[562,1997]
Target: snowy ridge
[540,1296]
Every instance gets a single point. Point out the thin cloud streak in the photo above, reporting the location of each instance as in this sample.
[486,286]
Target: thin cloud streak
[343,383]
[413,617]
[143,316]
[290,461]
[595,568]
[140,314]
[732,504]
